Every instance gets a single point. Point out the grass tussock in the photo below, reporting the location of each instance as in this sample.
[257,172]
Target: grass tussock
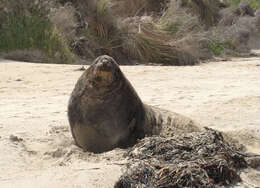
[140,40]
[177,22]
[102,28]
[151,46]
[207,10]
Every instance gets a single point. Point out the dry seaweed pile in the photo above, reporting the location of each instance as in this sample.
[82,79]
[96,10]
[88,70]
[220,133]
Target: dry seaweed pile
[201,159]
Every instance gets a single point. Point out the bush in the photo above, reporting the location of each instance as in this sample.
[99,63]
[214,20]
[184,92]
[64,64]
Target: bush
[218,47]
[29,28]
[253,3]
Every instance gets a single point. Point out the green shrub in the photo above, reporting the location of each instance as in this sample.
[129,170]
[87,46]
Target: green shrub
[253,3]
[23,29]
[218,47]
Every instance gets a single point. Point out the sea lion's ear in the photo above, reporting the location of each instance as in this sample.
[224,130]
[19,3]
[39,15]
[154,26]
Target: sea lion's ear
[131,125]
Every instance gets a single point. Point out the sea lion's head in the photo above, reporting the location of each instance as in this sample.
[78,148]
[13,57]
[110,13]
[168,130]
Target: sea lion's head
[103,73]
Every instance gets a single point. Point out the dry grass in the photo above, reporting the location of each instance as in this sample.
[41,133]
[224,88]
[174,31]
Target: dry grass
[178,21]
[207,10]
[171,32]
[137,39]
[102,28]
[150,46]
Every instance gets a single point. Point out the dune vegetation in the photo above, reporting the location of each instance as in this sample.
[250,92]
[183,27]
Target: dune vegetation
[25,26]
[166,32]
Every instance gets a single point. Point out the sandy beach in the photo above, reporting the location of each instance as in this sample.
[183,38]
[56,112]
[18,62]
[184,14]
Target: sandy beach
[37,148]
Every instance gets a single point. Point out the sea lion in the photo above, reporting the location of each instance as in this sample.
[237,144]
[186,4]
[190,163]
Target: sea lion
[105,111]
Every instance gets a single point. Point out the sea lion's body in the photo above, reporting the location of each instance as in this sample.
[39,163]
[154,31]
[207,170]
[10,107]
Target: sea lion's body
[105,111]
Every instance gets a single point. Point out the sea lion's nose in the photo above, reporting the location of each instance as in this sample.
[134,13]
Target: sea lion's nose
[105,60]
[103,65]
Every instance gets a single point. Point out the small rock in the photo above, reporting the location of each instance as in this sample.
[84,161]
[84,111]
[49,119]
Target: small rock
[14,138]
[81,69]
